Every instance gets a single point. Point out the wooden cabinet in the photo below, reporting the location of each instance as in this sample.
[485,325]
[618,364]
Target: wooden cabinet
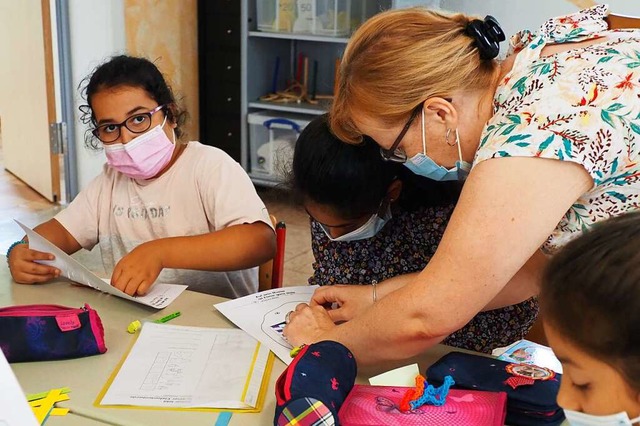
[219,51]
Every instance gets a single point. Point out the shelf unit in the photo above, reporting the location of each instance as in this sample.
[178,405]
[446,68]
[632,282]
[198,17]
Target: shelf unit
[259,51]
[302,37]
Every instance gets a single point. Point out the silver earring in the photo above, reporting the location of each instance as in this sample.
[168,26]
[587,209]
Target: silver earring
[446,138]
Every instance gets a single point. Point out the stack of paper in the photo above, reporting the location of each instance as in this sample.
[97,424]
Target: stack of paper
[192,367]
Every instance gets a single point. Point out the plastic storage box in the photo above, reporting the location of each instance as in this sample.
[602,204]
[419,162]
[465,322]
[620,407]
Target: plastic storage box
[272,139]
[276,15]
[320,17]
[332,17]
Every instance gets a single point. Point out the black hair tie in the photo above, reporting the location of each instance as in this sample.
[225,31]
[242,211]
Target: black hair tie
[487,35]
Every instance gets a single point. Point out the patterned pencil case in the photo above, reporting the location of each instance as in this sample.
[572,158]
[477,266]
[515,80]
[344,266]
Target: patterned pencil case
[50,332]
[531,390]
[314,386]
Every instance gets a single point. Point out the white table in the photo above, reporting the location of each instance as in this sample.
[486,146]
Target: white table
[87,376]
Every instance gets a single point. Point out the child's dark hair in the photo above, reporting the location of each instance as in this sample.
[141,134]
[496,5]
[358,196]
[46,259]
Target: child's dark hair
[353,179]
[591,294]
[131,71]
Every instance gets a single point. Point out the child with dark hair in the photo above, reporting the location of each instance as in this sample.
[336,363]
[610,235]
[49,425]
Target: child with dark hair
[372,220]
[590,304]
[162,209]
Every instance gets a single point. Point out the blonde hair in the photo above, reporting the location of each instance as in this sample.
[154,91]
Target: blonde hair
[400,58]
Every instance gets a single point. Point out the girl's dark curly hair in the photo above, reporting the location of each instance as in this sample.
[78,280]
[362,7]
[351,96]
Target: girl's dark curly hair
[124,70]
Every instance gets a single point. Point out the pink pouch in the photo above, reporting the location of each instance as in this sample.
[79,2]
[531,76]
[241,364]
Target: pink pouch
[379,405]
[50,332]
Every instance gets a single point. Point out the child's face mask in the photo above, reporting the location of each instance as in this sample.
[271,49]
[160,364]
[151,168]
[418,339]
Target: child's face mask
[144,156]
[576,418]
[368,230]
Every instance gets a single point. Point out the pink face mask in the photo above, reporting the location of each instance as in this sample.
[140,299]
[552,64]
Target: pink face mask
[144,156]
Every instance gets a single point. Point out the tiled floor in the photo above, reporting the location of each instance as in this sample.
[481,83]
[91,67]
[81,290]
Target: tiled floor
[18,201]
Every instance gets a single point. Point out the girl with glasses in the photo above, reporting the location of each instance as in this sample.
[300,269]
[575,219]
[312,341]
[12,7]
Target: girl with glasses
[549,139]
[163,209]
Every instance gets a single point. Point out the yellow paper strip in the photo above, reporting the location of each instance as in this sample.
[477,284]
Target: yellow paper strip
[59,411]
[33,396]
[43,407]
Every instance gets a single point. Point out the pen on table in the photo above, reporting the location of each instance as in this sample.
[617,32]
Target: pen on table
[135,325]
[167,318]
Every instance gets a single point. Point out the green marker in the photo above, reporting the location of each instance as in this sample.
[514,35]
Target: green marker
[167,318]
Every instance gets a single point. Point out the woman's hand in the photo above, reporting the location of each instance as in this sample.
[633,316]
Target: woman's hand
[24,268]
[348,300]
[307,324]
[136,272]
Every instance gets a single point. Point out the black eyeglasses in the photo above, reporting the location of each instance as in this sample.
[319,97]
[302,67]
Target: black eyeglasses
[394,153]
[138,123]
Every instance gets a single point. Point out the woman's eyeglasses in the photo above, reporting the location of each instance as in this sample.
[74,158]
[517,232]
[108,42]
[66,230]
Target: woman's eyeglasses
[138,123]
[394,153]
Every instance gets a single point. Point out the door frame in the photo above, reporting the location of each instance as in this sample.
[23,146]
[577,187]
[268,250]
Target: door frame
[51,93]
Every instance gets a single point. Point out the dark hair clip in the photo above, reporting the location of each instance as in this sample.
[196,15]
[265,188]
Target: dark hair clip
[487,35]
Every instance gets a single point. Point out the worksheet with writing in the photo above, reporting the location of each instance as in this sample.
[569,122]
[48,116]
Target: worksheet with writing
[190,367]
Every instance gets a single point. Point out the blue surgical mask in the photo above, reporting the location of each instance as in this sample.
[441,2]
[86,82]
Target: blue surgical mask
[576,418]
[422,165]
[368,230]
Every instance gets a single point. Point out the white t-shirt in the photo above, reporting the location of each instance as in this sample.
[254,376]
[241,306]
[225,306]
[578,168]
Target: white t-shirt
[205,190]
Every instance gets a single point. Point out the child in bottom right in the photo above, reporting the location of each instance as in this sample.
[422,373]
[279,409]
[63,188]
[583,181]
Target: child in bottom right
[590,305]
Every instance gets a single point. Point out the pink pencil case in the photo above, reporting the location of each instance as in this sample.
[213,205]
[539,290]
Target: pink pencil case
[380,405]
[50,332]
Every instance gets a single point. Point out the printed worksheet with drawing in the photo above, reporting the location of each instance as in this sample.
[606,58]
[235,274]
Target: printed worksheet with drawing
[191,367]
[159,296]
[262,315]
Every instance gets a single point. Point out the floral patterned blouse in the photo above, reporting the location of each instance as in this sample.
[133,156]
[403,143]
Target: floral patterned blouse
[581,105]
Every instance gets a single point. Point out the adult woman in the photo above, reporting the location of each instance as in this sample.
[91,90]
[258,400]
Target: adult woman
[553,133]
[372,220]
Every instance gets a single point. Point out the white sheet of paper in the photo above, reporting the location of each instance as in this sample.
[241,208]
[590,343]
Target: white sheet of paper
[262,315]
[14,408]
[186,367]
[402,376]
[159,296]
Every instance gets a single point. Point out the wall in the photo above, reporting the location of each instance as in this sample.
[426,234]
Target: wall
[96,32]
[166,33]
[161,30]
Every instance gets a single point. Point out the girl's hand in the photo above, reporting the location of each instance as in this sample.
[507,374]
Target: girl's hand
[350,300]
[307,324]
[25,270]
[136,272]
